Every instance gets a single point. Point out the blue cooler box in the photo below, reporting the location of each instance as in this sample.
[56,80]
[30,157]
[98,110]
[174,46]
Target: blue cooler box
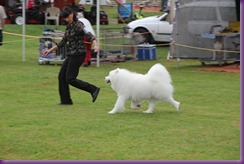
[146,52]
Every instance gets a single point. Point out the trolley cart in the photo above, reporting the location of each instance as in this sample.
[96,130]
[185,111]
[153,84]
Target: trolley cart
[46,42]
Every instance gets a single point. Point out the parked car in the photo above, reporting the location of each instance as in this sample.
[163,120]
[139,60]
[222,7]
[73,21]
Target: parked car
[150,29]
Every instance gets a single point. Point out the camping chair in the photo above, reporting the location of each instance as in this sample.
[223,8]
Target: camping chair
[52,13]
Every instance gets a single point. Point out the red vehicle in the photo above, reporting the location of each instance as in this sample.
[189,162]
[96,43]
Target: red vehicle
[92,17]
[33,14]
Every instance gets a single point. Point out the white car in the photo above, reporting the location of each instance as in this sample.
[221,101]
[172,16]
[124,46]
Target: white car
[151,29]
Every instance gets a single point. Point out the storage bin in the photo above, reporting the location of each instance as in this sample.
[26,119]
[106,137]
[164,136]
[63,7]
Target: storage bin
[146,52]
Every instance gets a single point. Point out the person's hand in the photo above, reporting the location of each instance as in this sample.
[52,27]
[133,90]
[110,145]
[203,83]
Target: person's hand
[46,52]
[96,49]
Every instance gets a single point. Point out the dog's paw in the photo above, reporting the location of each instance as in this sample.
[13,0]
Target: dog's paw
[112,112]
[147,112]
[137,107]
[178,107]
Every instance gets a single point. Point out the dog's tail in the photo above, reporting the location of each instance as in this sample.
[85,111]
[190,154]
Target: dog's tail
[158,71]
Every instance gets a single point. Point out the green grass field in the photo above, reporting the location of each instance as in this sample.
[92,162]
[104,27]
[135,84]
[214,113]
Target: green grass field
[33,127]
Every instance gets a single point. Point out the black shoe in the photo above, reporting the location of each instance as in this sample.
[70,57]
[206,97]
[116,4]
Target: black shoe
[95,94]
[65,103]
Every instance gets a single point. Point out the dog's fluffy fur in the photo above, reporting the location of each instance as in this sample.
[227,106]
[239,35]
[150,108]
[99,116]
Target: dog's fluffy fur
[153,86]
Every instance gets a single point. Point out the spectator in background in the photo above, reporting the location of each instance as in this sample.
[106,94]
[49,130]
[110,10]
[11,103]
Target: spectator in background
[88,44]
[3,16]
[74,7]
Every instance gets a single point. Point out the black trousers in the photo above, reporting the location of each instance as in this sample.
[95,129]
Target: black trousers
[68,76]
[1,37]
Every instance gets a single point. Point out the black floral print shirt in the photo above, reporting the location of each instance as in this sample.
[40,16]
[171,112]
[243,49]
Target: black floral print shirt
[74,37]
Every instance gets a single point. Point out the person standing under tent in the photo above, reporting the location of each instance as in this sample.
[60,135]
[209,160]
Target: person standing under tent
[3,16]
[75,56]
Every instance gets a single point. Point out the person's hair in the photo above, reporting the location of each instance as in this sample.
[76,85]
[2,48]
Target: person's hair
[67,11]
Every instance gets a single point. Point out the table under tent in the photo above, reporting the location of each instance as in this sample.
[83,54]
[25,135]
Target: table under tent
[208,30]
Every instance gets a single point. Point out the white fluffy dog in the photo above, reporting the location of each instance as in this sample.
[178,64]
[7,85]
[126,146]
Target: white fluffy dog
[153,86]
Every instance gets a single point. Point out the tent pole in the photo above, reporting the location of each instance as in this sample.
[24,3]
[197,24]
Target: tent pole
[23,30]
[98,32]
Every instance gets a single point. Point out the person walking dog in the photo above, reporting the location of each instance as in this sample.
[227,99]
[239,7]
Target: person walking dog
[75,56]
[3,16]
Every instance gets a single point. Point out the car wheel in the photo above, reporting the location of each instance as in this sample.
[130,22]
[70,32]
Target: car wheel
[19,20]
[142,36]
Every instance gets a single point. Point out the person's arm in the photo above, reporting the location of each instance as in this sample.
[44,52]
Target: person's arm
[55,47]
[96,49]
[91,37]
[4,16]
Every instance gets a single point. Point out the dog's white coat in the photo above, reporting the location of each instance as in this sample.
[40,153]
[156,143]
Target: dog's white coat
[153,86]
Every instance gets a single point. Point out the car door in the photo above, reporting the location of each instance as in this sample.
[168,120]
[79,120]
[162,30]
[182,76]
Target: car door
[164,30]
